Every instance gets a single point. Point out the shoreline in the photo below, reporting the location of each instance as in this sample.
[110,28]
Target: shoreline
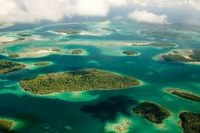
[137,82]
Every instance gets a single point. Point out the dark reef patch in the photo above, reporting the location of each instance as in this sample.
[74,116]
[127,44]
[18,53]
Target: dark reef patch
[108,109]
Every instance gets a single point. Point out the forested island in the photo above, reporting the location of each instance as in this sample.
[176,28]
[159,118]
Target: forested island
[183,94]
[163,34]
[77,52]
[130,53]
[155,44]
[190,122]
[9,66]
[68,31]
[5,125]
[81,80]
[182,55]
[42,63]
[152,112]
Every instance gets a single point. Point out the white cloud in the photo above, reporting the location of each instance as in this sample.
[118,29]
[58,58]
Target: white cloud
[148,17]
[119,2]
[54,10]
[36,10]
[193,4]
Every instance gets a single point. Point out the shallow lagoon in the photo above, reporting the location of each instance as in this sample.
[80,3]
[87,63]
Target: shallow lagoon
[65,112]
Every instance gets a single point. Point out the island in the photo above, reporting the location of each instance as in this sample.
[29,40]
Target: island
[130,53]
[154,44]
[9,66]
[77,51]
[80,80]
[14,55]
[183,94]
[67,31]
[42,63]
[5,25]
[182,55]
[35,52]
[164,34]
[6,125]
[9,40]
[22,34]
[162,44]
[56,49]
[153,112]
[190,122]
[109,29]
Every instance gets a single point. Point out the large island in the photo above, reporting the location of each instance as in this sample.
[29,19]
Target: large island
[88,79]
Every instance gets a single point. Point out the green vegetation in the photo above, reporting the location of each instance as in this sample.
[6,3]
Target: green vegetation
[156,44]
[68,31]
[5,125]
[109,29]
[24,34]
[8,66]
[190,122]
[42,63]
[162,44]
[196,55]
[166,34]
[130,53]
[14,56]
[176,56]
[89,79]
[56,50]
[77,51]
[152,112]
[185,95]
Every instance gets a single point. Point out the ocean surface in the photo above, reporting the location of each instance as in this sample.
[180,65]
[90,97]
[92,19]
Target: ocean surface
[99,111]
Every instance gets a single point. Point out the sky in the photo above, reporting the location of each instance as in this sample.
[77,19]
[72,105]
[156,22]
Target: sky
[142,11]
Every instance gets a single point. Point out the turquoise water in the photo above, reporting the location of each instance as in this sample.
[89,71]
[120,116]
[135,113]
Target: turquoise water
[91,111]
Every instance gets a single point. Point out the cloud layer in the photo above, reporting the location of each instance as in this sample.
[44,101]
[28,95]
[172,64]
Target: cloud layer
[193,4]
[36,10]
[53,10]
[148,17]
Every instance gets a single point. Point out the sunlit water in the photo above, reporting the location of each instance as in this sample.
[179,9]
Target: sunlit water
[98,111]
